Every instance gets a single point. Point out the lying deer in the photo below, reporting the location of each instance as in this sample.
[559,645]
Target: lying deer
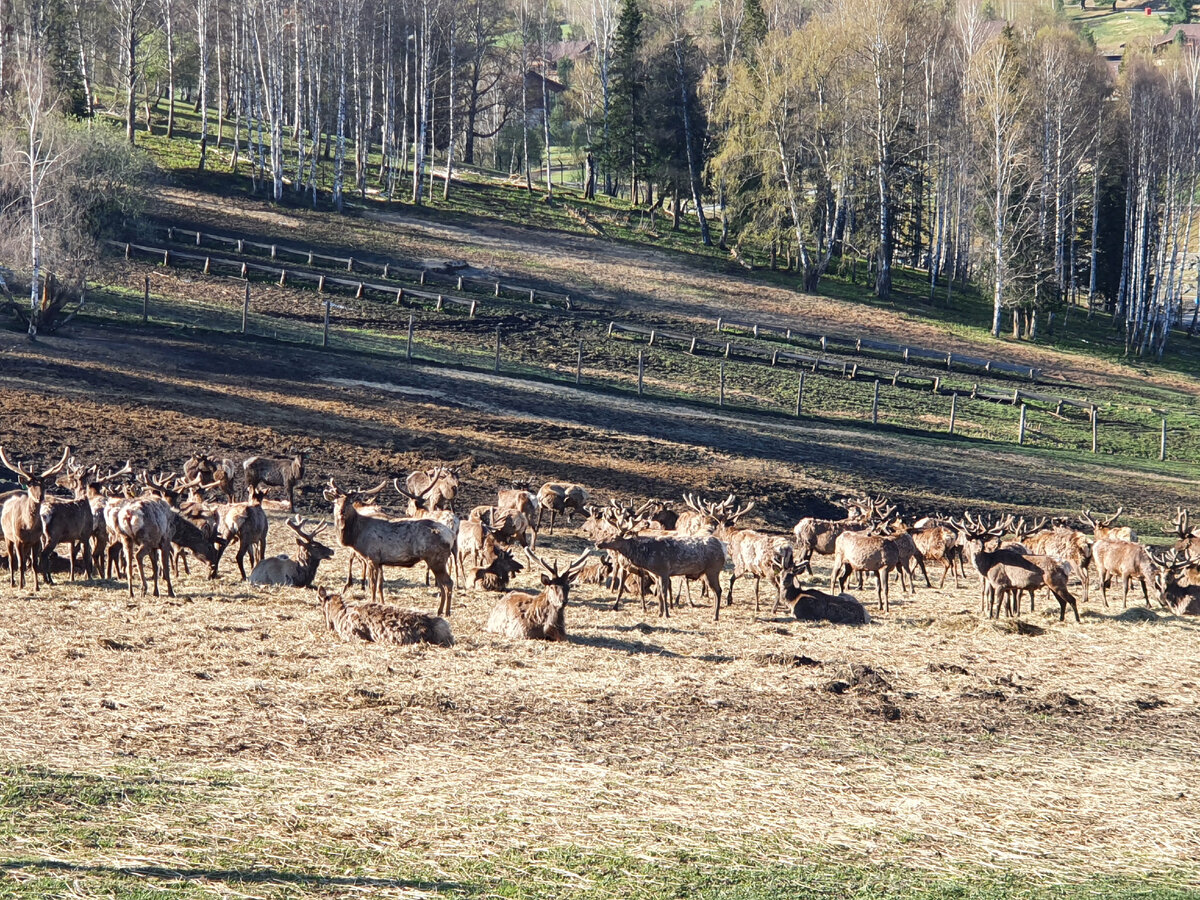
[299,572]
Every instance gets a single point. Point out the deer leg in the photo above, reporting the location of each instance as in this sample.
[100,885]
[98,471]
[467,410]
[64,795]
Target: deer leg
[664,596]
[732,579]
[687,586]
[43,562]
[714,581]
[924,573]
[1124,591]
[620,576]
[757,582]
[165,552]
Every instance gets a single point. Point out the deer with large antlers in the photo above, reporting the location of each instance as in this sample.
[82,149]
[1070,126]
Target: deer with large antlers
[20,517]
[423,483]
[1102,529]
[213,472]
[1188,543]
[299,572]
[1007,572]
[382,542]
[523,615]
[1181,583]
[667,557]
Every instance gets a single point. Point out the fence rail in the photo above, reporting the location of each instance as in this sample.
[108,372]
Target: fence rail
[310,257]
[854,344]
[694,345]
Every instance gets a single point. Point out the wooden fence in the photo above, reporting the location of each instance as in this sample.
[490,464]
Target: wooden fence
[851,344]
[388,270]
[694,345]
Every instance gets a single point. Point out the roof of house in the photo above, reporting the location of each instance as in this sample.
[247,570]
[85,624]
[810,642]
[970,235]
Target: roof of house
[1190,35]
[569,50]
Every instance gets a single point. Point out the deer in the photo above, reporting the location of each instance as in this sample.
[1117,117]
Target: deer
[555,497]
[518,500]
[1180,589]
[146,526]
[521,615]
[282,473]
[1189,540]
[283,571]
[205,545]
[759,555]
[910,554]
[440,497]
[217,473]
[401,543]
[20,518]
[937,544]
[1068,546]
[511,526]
[1128,560]
[249,524]
[819,536]
[1103,529]
[499,570]
[382,624]
[86,483]
[669,556]
[860,552]
[1007,572]
[811,605]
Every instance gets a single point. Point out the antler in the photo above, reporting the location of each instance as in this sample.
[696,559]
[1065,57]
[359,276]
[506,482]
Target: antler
[417,498]
[58,466]
[126,469]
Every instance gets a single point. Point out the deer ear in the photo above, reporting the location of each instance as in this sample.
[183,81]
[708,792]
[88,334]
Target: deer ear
[321,594]
[546,580]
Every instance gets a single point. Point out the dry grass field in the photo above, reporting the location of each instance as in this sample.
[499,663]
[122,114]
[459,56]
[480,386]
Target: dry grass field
[224,743]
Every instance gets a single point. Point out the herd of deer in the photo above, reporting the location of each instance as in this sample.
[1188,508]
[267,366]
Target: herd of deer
[116,520]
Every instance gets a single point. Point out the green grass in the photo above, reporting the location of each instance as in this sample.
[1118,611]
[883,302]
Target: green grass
[1112,29]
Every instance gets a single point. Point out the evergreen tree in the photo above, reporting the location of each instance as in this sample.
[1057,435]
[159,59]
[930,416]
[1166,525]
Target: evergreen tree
[754,27]
[626,129]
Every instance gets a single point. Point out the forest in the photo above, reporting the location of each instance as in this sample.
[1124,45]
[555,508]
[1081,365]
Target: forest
[982,142]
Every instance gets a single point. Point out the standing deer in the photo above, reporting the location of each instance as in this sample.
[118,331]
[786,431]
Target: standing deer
[282,473]
[441,497]
[216,473]
[668,557]
[146,526]
[1103,529]
[401,543]
[249,524]
[20,518]
[858,552]
[820,535]
[521,615]
[1128,560]
[78,522]
[298,572]
[555,497]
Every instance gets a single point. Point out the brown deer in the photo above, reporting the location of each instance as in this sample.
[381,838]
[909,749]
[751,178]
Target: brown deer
[856,551]
[20,518]
[554,497]
[811,605]
[299,572]
[215,473]
[86,484]
[146,526]
[1189,540]
[423,483]
[1007,572]
[1127,560]
[669,556]
[249,524]
[819,536]
[281,473]
[521,615]
[1068,546]
[1103,529]
[500,568]
[382,624]
[403,543]
[1181,583]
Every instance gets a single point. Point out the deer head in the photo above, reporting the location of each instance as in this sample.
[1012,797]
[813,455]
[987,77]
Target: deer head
[34,484]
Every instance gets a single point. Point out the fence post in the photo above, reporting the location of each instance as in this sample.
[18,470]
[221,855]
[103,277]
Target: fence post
[800,396]
[1094,418]
[325,333]
[1162,442]
[579,365]
[953,409]
[721,396]
[1021,426]
[245,307]
[641,370]
[875,404]
[497,368]
[146,302]
[408,347]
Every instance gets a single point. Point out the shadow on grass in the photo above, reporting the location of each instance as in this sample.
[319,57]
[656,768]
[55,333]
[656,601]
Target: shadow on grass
[229,876]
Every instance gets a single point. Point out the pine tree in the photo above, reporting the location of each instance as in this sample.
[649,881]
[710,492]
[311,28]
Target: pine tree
[626,115]
[754,27]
